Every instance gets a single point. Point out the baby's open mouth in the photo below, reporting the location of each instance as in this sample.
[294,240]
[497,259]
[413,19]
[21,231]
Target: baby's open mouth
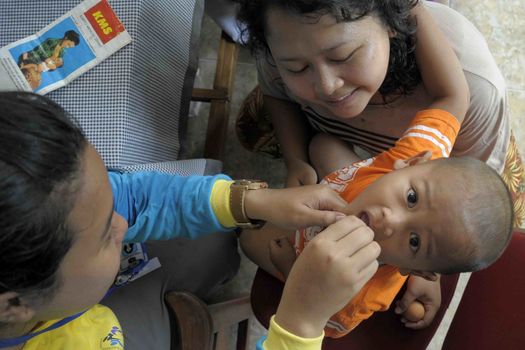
[364,217]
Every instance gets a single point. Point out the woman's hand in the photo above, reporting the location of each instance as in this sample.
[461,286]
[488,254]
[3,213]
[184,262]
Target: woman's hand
[300,173]
[332,268]
[50,63]
[425,291]
[297,207]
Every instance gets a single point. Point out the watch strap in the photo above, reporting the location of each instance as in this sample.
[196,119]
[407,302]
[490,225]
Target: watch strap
[238,191]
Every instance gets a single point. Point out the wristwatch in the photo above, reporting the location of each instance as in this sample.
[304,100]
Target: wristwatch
[237,195]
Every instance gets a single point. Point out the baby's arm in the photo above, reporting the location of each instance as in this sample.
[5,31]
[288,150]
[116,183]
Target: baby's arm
[439,66]
[425,291]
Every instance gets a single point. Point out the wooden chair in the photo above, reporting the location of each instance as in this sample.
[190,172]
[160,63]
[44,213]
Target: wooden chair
[219,97]
[491,313]
[207,327]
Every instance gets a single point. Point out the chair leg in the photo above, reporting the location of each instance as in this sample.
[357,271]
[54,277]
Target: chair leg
[193,321]
[242,335]
[220,108]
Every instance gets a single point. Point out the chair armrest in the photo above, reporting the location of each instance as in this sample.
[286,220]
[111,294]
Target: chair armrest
[230,312]
[192,319]
[207,327]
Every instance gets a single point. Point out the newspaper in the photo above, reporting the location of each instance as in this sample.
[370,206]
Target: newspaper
[65,49]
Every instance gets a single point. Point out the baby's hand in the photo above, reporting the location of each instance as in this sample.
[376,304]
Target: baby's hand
[50,63]
[300,173]
[427,293]
[282,255]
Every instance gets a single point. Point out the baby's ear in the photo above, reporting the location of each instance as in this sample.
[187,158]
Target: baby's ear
[419,158]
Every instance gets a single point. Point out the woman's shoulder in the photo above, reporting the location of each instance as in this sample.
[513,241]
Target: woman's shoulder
[486,83]
[468,43]
[487,95]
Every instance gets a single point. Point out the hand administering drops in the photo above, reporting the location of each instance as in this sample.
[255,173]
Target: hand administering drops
[297,207]
[339,261]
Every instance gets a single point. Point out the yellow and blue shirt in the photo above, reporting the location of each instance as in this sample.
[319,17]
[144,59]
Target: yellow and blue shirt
[157,206]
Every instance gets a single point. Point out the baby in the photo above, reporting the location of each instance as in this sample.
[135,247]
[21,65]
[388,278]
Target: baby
[33,77]
[429,216]
[49,64]
[33,72]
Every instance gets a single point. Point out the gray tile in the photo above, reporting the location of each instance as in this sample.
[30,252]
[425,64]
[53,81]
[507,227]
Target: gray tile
[502,23]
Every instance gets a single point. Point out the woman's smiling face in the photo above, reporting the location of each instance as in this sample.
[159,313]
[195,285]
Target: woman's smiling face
[334,67]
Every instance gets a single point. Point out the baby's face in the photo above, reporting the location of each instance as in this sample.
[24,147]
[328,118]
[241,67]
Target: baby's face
[412,215]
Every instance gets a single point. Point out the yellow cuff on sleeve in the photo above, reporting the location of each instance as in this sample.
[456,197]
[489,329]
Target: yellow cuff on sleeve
[280,339]
[220,203]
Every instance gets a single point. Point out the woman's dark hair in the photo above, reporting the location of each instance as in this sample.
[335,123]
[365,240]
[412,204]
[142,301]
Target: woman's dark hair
[40,159]
[402,74]
[73,36]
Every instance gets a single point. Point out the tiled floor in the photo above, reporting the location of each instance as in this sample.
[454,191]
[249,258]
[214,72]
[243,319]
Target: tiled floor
[501,21]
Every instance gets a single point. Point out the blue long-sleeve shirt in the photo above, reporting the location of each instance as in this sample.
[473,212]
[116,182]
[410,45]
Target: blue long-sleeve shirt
[162,206]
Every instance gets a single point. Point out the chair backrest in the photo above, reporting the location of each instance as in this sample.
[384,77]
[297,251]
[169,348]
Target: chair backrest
[383,330]
[491,314]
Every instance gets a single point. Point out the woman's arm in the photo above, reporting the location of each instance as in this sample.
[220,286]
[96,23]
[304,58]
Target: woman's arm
[293,135]
[164,206]
[336,263]
[439,66]
[56,51]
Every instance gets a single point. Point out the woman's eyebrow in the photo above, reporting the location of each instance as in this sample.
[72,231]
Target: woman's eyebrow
[322,50]
[335,46]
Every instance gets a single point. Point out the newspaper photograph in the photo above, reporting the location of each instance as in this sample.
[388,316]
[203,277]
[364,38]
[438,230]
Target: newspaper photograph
[62,51]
